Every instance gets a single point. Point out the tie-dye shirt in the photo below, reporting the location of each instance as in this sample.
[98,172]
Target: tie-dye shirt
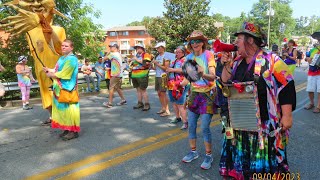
[141,70]
[24,80]
[205,60]
[116,64]
[313,70]
[65,116]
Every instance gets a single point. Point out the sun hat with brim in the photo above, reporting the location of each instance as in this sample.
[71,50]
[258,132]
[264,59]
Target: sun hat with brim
[196,34]
[139,45]
[253,30]
[160,44]
[114,45]
[22,58]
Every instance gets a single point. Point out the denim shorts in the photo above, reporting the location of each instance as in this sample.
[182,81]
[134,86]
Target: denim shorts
[182,99]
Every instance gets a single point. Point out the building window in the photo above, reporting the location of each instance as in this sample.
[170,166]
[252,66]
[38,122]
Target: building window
[141,32]
[124,43]
[139,42]
[113,34]
[124,33]
[124,52]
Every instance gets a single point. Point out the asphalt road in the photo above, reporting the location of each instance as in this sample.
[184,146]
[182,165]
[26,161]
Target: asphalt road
[122,143]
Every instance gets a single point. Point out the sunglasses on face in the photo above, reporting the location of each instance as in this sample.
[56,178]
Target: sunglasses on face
[196,41]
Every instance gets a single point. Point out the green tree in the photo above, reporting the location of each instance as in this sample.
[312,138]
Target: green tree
[86,35]
[179,20]
[301,23]
[282,14]
[144,22]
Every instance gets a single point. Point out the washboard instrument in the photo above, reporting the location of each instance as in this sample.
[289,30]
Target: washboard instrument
[242,106]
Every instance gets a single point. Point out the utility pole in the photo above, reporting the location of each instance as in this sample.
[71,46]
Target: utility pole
[269,13]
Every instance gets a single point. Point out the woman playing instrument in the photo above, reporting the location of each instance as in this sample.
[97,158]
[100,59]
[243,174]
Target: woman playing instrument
[201,100]
[264,150]
[291,55]
[65,116]
[178,94]
[25,80]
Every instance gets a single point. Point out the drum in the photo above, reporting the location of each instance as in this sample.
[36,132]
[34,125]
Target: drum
[242,106]
[190,71]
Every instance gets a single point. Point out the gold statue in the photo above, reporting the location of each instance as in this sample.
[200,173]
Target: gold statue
[34,17]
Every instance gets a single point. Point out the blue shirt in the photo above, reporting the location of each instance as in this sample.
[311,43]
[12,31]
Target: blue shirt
[99,67]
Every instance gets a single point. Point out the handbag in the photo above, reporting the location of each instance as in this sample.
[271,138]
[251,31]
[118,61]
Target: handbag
[68,96]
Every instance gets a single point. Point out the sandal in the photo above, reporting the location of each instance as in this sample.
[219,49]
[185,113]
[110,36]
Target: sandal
[46,122]
[309,106]
[164,114]
[316,110]
[161,111]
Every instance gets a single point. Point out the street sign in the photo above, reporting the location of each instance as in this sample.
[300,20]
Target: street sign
[282,28]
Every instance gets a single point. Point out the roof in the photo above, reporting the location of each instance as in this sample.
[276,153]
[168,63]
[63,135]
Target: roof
[127,28]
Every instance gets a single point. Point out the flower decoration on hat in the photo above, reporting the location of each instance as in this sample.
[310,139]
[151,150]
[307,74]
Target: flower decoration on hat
[253,30]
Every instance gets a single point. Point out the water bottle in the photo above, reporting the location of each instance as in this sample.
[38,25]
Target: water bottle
[82,90]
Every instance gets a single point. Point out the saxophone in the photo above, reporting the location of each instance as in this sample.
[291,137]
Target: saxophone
[164,81]
[164,77]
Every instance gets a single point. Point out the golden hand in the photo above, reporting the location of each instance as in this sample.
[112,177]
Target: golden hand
[23,22]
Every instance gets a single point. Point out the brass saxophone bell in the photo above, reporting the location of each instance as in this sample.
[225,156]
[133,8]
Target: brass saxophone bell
[164,79]
[226,91]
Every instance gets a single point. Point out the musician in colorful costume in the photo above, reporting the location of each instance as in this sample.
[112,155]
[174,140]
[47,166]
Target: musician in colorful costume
[258,152]
[177,93]
[35,19]
[201,103]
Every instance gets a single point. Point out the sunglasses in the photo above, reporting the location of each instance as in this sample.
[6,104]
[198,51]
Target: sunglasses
[196,41]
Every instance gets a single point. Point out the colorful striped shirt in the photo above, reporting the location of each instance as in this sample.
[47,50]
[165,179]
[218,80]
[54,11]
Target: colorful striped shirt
[141,70]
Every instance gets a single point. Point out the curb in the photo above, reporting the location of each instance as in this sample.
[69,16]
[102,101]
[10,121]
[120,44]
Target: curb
[17,103]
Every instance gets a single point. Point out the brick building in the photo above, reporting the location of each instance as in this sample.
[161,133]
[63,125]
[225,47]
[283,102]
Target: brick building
[127,37]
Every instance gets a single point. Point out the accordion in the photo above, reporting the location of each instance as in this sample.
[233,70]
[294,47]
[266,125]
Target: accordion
[242,106]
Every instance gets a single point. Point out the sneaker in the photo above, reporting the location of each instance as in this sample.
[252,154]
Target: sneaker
[122,102]
[30,107]
[184,126]
[175,121]
[190,157]
[138,106]
[206,164]
[146,107]
[25,107]
[107,104]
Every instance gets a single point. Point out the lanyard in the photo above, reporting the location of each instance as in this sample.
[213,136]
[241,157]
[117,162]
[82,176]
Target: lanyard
[249,67]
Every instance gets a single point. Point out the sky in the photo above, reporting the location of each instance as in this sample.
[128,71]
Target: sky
[122,12]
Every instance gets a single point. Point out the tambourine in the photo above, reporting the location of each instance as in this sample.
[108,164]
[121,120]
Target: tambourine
[190,71]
